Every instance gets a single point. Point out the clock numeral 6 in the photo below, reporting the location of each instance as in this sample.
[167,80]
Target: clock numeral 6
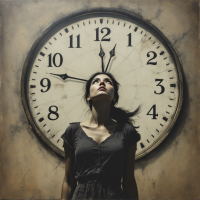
[57,62]
[53,113]
[48,84]
[154,56]
[162,87]
[102,31]
[153,108]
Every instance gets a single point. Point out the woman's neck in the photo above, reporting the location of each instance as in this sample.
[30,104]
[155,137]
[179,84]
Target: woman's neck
[100,113]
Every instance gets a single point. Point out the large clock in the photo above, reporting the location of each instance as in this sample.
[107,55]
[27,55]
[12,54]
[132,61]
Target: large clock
[72,49]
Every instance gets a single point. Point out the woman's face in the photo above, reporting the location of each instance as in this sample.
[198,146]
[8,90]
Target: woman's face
[101,88]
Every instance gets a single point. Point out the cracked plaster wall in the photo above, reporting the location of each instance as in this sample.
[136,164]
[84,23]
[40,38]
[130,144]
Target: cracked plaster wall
[29,169]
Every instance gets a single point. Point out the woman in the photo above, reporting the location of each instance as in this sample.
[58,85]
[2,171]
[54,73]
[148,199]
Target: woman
[101,150]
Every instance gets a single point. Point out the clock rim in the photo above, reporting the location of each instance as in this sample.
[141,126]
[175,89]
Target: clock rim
[123,14]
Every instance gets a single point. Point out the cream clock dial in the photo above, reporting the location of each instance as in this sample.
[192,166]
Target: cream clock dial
[135,52]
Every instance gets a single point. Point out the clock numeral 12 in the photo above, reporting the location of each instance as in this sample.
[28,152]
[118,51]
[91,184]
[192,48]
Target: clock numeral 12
[51,112]
[153,108]
[71,41]
[59,59]
[102,31]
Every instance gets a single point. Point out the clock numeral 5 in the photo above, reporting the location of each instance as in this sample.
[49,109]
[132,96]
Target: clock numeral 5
[56,62]
[154,56]
[48,84]
[102,31]
[54,113]
[153,108]
[71,41]
[162,87]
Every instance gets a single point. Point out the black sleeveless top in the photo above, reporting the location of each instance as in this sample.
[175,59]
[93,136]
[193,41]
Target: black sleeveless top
[100,162]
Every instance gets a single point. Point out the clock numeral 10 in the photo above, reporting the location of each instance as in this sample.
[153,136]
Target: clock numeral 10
[71,41]
[53,113]
[102,31]
[153,109]
[57,60]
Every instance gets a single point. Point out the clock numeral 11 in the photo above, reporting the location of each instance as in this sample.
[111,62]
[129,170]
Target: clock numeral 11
[71,41]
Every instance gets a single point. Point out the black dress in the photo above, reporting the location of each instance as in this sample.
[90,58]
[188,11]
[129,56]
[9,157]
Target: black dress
[99,168]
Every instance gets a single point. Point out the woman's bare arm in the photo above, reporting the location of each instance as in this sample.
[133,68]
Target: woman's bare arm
[129,183]
[69,182]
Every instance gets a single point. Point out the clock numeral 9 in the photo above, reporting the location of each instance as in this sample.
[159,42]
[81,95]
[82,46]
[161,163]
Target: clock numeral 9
[102,31]
[71,41]
[47,85]
[162,87]
[154,56]
[56,62]
[153,108]
[54,113]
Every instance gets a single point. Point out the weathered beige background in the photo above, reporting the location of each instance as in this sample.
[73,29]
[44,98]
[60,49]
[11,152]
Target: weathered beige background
[29,169]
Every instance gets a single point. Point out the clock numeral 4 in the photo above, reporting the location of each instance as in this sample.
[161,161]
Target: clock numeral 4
[102,31]
[71,41]
[53,113]
[150,60]
[153,108]
[47,85]
[162,87]
[57,60]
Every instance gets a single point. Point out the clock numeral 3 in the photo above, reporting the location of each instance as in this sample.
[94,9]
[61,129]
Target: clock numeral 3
[102,31]
[54,113]
[71,41]
[48,84]
[57,62]
[162,87]
[154,56]
[153,108]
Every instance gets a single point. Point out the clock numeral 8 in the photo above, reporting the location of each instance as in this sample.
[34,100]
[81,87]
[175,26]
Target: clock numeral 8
[54,113]
[59,59]
[48,84]
[153,108]
[103,38]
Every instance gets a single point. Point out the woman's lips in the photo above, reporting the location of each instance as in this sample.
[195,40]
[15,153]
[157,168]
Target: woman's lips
[102,88]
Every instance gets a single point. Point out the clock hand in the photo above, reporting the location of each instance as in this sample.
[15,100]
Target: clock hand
[65,76]
[101,54]
[112,53]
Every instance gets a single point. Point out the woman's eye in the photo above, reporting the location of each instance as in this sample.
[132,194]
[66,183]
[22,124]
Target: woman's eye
[95,81]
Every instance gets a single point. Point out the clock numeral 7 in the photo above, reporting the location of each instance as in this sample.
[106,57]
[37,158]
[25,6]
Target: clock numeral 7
[57,62]
[102,31]
[153,108]
[48,84]
[162,87]
[54,113]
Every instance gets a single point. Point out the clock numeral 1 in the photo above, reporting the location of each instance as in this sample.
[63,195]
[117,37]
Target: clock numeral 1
[48,84]
[154,56]
[102,31]
[71,41]
[57,62]
[162,87]
[52,112]
[153,108]
[129,40]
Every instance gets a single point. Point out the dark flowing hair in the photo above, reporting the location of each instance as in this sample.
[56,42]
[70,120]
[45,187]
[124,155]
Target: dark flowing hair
[119,114]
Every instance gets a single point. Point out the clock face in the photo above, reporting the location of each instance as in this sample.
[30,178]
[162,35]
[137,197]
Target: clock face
[144,64]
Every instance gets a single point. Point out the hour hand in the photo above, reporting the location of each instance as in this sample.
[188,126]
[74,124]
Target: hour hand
[65,76]
[112,53]
[101,54]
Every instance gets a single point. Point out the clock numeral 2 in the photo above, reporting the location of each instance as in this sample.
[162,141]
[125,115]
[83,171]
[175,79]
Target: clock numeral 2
[54,113]
[154,56]
[48,84]
[153,108]
[162,87]
[56,62]
[71,41]
[102,31]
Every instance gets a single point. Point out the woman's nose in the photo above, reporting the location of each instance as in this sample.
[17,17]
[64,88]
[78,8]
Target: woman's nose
[101,82]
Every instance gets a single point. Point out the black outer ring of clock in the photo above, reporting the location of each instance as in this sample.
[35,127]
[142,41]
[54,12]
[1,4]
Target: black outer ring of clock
[122,14]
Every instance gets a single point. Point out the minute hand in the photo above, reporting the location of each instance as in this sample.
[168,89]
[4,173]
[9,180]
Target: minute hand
[65,76]
[112,53]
